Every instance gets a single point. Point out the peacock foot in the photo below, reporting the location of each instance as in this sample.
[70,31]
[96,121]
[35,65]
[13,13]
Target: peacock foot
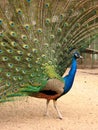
[46,114]
[60,117]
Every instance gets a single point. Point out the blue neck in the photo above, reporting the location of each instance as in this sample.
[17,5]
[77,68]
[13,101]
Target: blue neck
[70,77]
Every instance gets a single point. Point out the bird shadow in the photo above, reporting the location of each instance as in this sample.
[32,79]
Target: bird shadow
[33,109]
[20,110]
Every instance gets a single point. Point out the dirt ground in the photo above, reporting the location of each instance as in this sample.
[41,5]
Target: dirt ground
[79,108]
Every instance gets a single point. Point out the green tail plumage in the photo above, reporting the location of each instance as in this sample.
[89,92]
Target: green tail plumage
[37,39]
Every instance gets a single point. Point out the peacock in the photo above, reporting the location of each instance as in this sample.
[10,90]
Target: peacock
[39,40]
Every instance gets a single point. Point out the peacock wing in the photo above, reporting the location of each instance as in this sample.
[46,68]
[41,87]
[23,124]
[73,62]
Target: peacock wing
[54,85]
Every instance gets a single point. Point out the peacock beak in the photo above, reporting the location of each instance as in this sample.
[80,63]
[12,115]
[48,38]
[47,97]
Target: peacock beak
[81,57]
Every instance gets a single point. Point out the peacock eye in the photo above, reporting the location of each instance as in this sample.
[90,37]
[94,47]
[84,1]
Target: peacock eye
[14,44]
[66,24]
[34,50]
[8,74]
[7,84]
[1,34]
[10,51]
[28,59]
[4,58]
[24,37]
[52,37]
[20,52]
[19,11]
[17,58]
[10,65]
[61,16]
[59,30]
[47,5]
[35,40]
[39,30]
[47,21]
[1,51]
[27,26]
[28,0]
[25,46]
[13,34]
[30,65]
[21,84]
[20,77]
[1,21]
[24,71]
[12,24]
[29,54]
[14,78]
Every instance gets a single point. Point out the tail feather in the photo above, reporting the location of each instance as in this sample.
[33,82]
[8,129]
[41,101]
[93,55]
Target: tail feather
[36,37]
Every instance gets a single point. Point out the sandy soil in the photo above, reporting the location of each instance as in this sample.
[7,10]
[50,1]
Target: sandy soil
[79,108]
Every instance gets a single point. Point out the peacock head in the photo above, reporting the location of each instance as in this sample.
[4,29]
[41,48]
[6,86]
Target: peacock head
[77,55]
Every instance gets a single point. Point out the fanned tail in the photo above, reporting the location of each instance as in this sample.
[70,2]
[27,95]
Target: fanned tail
[37,39]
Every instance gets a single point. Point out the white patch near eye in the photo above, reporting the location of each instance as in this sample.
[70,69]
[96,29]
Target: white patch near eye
[76,55]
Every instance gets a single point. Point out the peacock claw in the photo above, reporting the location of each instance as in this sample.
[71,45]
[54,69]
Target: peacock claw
[60,117]
[46,114]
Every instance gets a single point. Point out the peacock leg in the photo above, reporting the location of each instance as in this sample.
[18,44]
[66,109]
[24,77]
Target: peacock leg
[55,106]
[47,103]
